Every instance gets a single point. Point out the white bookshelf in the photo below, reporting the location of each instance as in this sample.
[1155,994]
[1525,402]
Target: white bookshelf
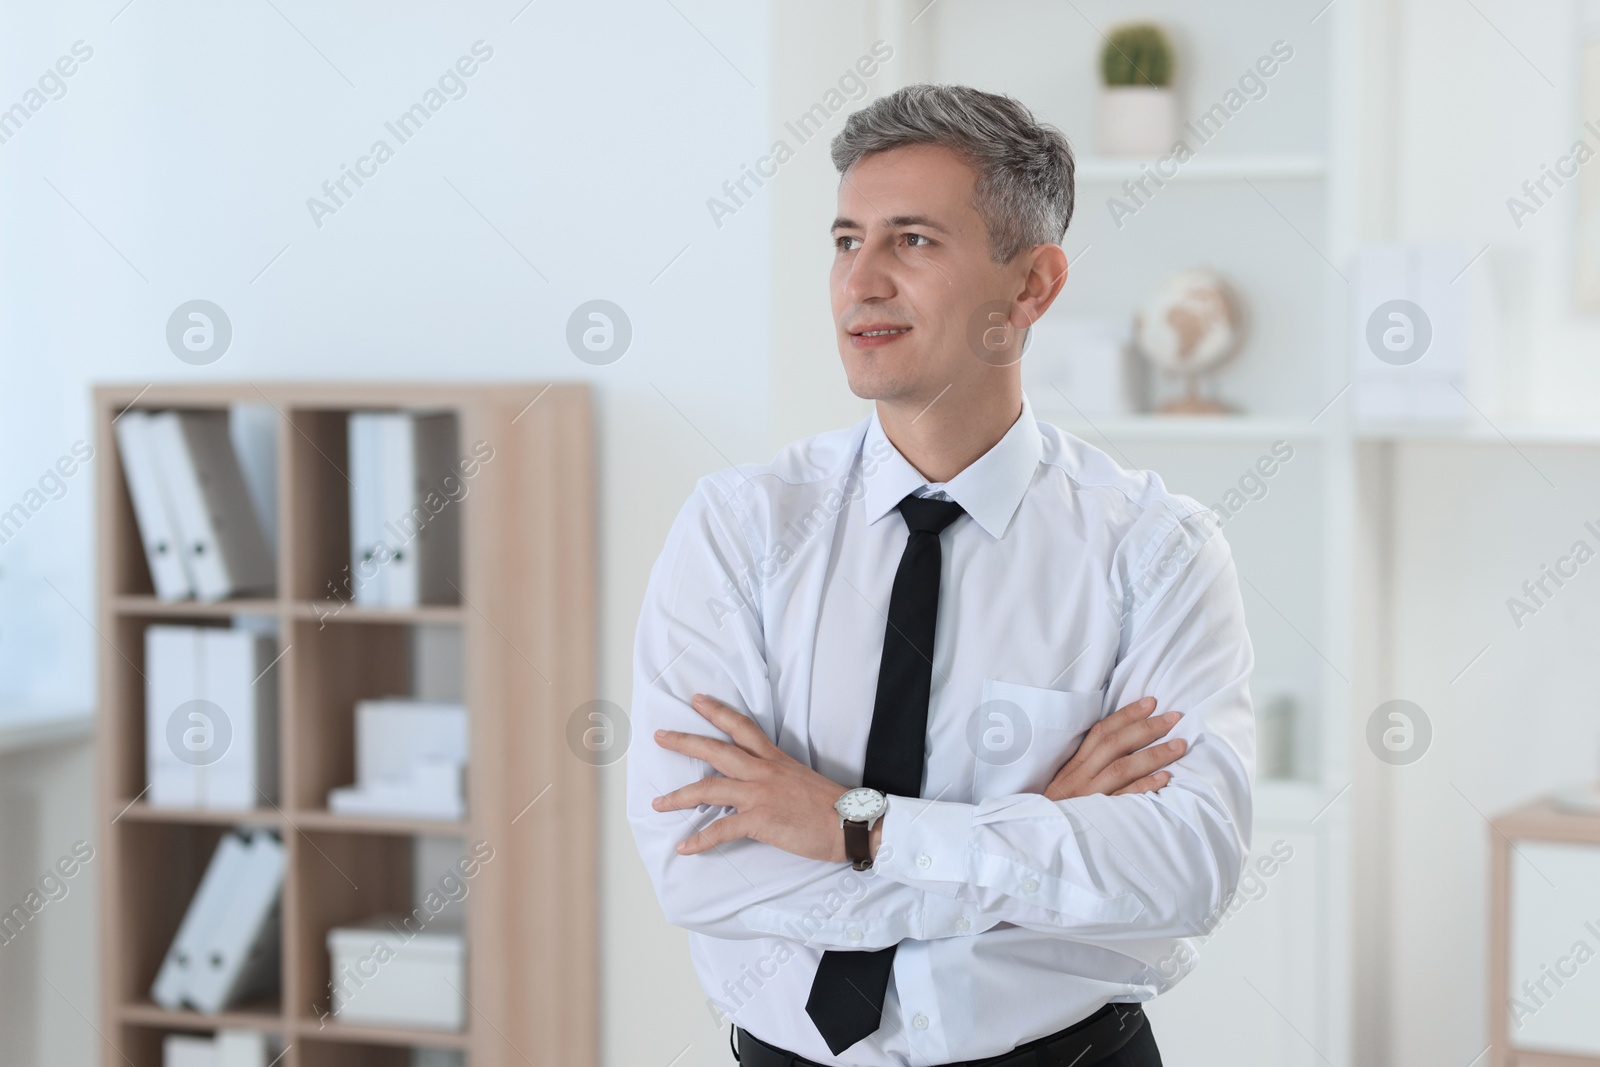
[1478,432]
[1268,204]
[1248,428]
[1232,167]
[1280,201]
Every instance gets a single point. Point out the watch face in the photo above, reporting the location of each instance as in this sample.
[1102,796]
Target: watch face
[860,804]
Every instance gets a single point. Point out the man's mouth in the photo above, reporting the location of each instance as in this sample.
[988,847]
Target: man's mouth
[876,335]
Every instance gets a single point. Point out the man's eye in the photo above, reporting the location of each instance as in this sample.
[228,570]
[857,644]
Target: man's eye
[839,242]
[918,237]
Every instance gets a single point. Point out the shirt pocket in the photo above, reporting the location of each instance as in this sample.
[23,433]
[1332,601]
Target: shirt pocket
[1020,735]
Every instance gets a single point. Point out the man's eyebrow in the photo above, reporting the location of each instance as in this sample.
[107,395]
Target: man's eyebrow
[842,223]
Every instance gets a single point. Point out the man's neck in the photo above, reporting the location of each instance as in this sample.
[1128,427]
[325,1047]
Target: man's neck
[942,439]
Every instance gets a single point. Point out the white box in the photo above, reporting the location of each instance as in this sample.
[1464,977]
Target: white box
[1552,983]
[1406,293]
[230,1048]
[420,797]
[1085,364]
[385,973]
[410,758]
[245,1048]
[187,1050]
[394,736]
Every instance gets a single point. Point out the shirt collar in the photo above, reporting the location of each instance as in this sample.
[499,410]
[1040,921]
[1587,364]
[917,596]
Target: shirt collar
[989,489]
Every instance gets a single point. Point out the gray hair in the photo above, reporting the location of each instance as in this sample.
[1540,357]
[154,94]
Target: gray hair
[1024,168]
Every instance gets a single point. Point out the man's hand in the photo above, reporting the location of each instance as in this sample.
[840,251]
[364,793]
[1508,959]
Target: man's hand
[1114,759]
[782,802]
[779,800]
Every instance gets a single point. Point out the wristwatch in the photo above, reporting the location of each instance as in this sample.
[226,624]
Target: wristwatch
[859,809]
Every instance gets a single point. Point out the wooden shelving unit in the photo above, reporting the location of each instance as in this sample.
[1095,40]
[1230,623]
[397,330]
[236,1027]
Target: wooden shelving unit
[527,627]
[1538,821]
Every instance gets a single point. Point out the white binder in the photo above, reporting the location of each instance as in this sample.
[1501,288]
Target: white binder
[172,677]
[226,551]
[206,909]
[239,957]
[219,667]
[400,508]
[369,571]
[399,489]
[247,770]
[152,508]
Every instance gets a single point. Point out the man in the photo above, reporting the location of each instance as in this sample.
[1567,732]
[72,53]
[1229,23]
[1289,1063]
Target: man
[895,650]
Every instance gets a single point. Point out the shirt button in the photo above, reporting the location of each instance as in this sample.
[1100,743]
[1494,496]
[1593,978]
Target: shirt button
[924,861]
[1029,886]
[962,926]
[853,934]
[920,1021]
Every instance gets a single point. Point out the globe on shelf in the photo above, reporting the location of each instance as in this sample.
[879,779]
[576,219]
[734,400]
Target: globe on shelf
[1188,327]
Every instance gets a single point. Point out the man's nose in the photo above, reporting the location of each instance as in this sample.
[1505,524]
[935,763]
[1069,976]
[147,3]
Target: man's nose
[871,274]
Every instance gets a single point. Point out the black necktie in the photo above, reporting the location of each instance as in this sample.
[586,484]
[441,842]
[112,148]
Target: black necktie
[847,995]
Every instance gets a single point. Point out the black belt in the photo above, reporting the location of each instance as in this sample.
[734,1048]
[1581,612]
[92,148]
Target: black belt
[1087,1041]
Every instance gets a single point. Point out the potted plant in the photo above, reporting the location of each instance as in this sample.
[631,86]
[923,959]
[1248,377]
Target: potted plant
[1138,112]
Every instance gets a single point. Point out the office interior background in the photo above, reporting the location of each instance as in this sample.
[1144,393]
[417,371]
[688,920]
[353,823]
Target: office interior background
[1415,533]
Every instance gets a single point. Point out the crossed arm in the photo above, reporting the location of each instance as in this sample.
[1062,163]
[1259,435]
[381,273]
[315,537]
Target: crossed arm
[1129,841]
[779,801]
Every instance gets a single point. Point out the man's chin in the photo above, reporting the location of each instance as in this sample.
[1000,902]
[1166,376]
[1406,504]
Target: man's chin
[874,386]
[894,396]
[871,379]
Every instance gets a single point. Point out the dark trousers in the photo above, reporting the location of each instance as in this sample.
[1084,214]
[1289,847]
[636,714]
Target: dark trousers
[1139,1051]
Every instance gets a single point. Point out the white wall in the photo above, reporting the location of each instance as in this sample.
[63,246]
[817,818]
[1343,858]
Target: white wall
[48,970]
[178,165]
[1483,99]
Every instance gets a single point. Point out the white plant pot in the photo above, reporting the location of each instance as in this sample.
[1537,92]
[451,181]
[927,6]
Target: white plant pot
[1139,121]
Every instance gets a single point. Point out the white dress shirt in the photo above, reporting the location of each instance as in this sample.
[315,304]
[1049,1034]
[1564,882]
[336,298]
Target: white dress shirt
[1069,588]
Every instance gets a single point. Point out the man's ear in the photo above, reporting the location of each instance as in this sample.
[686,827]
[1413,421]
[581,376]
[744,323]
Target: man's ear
[1047,276]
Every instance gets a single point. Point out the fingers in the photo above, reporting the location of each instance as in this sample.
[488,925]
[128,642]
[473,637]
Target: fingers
[1136,765]
[743,729]
[725,829]
[1128,729]
[717,791]
[1123,717]
[1148,784]
[730,759]
[1139,732]
[1133,712]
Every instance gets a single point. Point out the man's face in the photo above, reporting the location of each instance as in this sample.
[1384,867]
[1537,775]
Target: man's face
[911,253]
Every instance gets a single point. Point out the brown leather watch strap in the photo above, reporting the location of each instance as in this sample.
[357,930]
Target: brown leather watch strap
[858,845]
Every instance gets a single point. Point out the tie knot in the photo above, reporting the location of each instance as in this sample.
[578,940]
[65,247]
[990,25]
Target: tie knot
[926,515]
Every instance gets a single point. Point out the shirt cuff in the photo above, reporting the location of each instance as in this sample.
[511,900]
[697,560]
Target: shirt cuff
[927,843]
[821,926]
[930,844]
